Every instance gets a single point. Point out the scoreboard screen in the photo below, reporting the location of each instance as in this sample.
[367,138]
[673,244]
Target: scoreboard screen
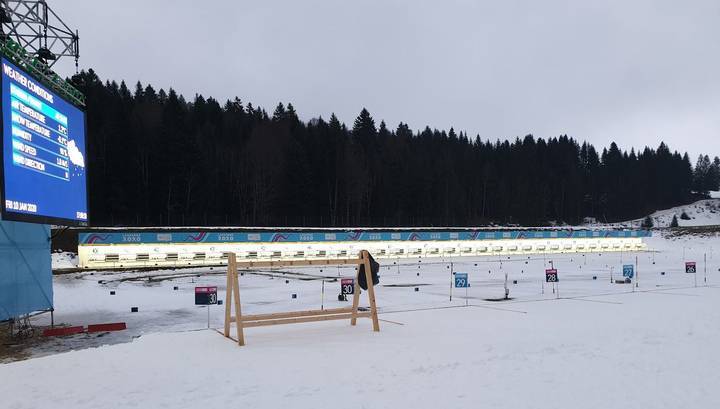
[43,159]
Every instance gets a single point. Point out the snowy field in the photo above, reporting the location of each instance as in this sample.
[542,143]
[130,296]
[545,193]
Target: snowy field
[599,345]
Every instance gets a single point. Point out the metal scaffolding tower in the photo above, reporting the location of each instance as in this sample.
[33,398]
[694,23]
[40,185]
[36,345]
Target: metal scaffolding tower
[39,30]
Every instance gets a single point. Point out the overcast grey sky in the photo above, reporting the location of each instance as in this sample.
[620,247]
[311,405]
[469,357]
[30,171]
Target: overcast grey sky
[635,71]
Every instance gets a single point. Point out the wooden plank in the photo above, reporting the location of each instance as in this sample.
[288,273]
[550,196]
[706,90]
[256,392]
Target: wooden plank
[282,321]
[228,301]
[356,295]
[296,263]
[61,332]
[294,314]
[232,265]
[371,292]
[113,326]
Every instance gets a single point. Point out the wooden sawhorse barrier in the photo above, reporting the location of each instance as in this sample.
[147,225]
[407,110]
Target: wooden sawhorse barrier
[260,320]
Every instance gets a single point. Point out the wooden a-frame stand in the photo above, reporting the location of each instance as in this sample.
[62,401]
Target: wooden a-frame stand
[259,320]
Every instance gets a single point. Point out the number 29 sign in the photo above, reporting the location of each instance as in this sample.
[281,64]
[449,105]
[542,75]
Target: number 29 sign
[461,280]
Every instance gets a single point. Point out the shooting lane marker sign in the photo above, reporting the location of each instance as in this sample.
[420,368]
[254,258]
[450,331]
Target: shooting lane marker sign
[551,276]
[691,268]
[628,271]
[206,296]
[461,281]
[347,286]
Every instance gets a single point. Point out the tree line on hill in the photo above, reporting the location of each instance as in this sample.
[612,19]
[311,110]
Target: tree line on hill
[156,159]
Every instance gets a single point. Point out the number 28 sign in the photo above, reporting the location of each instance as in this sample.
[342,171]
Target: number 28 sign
[551,275]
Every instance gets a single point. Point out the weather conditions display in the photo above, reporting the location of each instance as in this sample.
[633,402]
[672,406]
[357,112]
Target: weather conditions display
[44,173]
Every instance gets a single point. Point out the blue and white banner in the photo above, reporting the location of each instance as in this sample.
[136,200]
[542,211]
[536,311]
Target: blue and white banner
[216,236]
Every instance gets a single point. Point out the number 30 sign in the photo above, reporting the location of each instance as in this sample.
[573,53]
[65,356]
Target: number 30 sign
[347,286]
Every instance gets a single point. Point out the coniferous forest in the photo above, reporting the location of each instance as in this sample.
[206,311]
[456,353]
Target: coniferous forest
[156,159]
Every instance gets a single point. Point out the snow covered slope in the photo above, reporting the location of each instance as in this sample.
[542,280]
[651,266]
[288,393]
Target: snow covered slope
[701,213]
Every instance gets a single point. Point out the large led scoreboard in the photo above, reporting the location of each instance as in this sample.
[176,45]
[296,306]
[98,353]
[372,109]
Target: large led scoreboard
[44,159]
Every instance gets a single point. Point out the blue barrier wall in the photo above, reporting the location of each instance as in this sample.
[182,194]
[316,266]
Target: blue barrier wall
[25,269]
[150,237]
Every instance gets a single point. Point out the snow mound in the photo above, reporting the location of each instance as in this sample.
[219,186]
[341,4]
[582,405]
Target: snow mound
[64,260]
[701,213]
[704,212]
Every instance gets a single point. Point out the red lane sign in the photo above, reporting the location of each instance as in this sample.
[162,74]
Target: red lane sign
[690,267]
[206,295]
[551,275]
[347,286]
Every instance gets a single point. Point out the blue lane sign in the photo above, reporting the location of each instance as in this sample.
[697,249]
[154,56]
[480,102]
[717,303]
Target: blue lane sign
[461,280]
[628,271]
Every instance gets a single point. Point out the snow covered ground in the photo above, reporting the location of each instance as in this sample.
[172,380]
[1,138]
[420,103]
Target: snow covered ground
[600,345]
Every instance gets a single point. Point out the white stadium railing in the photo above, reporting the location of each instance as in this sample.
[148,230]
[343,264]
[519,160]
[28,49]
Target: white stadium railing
[120,256]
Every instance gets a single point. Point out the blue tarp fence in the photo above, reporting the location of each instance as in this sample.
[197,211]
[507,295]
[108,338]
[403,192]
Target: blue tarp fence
[25,269]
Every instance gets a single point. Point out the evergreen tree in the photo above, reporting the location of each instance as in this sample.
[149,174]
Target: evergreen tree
[647,223]
[155,158]
[364,126]
[279,113]
[704,176]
